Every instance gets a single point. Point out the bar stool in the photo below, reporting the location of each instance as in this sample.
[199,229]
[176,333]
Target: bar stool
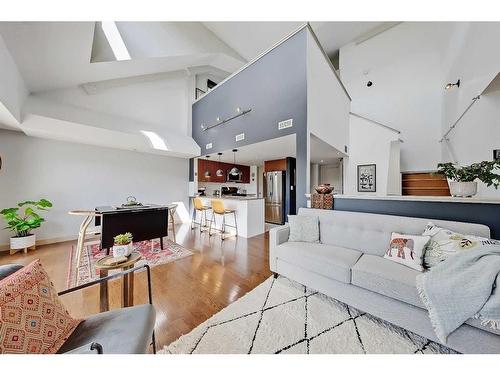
[219,209]
[95,232]
[202,209]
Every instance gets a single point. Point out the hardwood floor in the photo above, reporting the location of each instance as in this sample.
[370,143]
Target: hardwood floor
[185,292]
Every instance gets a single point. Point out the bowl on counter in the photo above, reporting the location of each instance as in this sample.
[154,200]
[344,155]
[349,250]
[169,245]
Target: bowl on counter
[324,189]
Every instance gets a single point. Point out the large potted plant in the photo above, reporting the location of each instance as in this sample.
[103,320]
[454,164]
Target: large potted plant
[462,179]
[22,220]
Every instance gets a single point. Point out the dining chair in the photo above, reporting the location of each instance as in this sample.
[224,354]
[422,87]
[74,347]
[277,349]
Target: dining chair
[85,231]
[171,217]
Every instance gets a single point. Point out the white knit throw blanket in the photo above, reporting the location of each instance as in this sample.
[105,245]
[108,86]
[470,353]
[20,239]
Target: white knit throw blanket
[461,287]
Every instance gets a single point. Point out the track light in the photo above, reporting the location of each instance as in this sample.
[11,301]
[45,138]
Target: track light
[450,85]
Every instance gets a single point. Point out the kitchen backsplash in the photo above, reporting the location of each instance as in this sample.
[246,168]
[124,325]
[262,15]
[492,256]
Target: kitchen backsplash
[213,186]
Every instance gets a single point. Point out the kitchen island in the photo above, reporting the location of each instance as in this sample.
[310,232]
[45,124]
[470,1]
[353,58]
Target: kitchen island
[249,214]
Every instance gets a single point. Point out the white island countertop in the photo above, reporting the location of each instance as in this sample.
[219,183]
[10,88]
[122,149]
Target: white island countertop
[249,213]
[419,198]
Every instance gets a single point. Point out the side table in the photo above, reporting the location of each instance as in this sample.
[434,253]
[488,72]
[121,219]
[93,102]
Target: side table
[127,284]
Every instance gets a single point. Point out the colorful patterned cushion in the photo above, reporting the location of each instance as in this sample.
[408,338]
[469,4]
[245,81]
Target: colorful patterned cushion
[32,319]
[445,243]
[408,250]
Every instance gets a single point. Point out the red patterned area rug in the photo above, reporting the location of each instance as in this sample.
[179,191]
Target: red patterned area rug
[152,254]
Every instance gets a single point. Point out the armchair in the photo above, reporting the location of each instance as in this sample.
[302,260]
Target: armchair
[122,331]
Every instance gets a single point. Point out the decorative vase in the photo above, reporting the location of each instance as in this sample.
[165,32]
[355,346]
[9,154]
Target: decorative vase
[462,189]
[324,189]
[122,250]
[22,243]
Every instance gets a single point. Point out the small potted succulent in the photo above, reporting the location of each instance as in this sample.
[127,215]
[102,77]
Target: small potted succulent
[462,180]
[22,220]
[123,245]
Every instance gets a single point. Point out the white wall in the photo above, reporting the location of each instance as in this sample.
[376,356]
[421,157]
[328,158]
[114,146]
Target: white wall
[475,60]
[314,180]
[12,88]
[327,104]
[331,174]
[162,103]
[405,65]
[81,177]
[369,144]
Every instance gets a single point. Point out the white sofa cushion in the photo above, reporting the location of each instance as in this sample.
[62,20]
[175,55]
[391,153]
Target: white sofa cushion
[396,281]
[330,261]
[370,233]
[386,277]
[303,228]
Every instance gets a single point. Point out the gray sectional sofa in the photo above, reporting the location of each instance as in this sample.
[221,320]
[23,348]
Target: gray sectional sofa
[348,265]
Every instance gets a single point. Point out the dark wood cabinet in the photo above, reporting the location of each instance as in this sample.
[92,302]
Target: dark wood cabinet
[212,167]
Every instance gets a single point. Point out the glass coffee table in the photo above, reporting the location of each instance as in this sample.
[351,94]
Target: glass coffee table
[103,268]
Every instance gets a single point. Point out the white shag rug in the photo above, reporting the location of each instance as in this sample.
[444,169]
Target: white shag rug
[281,316]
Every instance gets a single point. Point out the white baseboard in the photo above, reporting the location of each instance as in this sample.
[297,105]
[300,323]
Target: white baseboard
[46,241]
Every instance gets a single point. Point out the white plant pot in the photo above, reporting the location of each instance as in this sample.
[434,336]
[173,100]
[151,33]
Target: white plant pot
[462,189]
[122,250]
[17,243]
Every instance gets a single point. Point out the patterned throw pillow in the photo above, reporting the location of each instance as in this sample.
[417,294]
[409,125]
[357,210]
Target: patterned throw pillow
[445,243]
[407,250]
[303,228]
[32,319]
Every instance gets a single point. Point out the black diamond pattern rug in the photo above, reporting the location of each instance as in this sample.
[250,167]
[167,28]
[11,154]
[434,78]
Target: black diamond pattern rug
[281,316]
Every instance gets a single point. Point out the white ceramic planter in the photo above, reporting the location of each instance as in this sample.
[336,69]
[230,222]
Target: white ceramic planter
[122,250]
[462,189]
[18,243]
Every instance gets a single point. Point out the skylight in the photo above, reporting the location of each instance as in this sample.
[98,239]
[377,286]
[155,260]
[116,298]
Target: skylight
[156,141]
[115,40]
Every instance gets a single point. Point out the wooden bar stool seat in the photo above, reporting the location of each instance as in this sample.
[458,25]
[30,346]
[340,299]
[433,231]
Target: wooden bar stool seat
[198,206]
[218,209]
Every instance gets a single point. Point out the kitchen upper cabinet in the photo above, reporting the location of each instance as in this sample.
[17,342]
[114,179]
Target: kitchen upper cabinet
[212,167]
[245,173]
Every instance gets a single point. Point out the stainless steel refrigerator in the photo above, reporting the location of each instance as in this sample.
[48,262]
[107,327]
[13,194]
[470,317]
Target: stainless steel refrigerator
[274,192]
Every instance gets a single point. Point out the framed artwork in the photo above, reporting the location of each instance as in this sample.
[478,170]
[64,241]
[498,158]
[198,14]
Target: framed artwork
[367,178]
[496,154]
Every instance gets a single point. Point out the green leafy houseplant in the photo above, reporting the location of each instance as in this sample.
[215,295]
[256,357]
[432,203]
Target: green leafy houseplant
[123,239]
[24,218]
[482,171]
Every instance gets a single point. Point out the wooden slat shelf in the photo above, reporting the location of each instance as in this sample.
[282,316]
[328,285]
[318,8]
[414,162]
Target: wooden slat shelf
[424,184]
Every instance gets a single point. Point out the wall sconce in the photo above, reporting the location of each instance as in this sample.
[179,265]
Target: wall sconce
[450,85]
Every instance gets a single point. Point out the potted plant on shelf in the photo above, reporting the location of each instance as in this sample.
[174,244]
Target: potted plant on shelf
[123,245]
[462,180]
[22,220]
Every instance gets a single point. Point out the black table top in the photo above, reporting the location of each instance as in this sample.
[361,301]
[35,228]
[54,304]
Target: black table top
[119,209]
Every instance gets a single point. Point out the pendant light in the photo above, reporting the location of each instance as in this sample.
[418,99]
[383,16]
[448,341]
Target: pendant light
[234,171]
[207,171]
[219,172]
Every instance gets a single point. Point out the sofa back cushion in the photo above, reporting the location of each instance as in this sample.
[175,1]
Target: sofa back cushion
[371,233]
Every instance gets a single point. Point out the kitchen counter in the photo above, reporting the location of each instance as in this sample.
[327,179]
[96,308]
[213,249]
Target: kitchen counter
[419,198]
[249,214]
[232,197]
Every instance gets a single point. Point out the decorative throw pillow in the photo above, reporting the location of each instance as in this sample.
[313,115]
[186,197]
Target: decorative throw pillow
[303,228]
[407,249]
[32,319]
[445,243]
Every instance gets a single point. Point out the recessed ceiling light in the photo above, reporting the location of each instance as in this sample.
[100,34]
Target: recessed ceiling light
[115,40]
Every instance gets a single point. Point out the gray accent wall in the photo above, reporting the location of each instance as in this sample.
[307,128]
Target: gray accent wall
[275,89]
[480,213]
